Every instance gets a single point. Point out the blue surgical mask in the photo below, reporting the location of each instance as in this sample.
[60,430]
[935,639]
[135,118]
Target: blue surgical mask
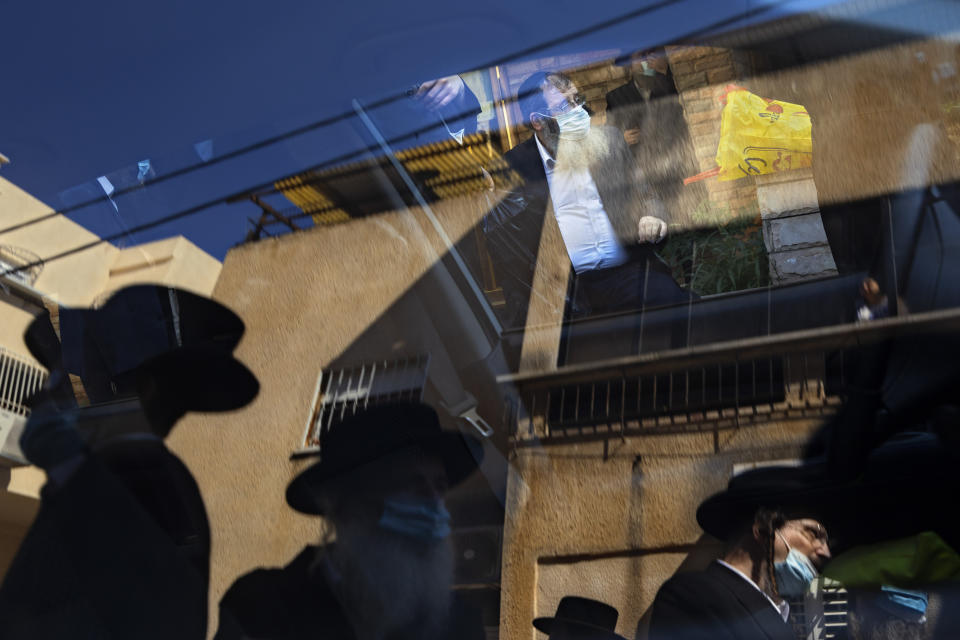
[647,69]
[904,603]
[794,574]
[574,124]
[426,520]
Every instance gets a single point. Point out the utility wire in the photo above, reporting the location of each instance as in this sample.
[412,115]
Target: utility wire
[320,124]
[211,203]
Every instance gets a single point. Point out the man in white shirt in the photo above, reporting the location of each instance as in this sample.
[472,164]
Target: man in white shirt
[606,213]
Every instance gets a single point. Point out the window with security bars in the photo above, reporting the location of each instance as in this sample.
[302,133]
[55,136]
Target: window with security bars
[340,393]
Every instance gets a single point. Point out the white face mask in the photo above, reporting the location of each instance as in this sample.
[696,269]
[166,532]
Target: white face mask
[574,124]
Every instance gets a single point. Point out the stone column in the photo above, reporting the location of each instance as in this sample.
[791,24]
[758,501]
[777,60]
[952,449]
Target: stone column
[792,228]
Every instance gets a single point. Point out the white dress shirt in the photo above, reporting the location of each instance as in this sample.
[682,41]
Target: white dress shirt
[584,225]
[783,608]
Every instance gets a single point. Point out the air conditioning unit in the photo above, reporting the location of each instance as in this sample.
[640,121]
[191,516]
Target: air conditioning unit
[11,428]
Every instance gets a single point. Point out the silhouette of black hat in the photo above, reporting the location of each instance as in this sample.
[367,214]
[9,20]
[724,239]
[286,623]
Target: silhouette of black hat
[901,492]
[378,431]
[797,491]
[177,342]
[582,616]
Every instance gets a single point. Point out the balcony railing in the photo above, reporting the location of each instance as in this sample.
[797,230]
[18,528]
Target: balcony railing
[19,379]
[797,374]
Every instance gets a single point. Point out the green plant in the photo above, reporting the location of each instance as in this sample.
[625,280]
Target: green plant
[726,253]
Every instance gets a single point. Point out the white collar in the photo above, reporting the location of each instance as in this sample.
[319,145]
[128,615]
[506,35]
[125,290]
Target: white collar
[783,608]
[544,154]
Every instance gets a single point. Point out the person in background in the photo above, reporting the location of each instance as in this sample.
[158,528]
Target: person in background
[609,220]
[873,304]
[648,112]
[580,619]
[380,487]
[887,614]
[451,101]
[120,547]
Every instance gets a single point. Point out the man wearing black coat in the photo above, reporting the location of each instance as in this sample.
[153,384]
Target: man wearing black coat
[608,217]
[120,546]
[775,547]
[648,113]
[380,486]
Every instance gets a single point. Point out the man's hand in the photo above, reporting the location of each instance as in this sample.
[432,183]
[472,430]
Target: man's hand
[651,229]
[436,94]
[632,136]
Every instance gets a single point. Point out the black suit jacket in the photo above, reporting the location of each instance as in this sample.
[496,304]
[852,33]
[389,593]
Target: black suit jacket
[714,604]
[113,554]
[295,602]
[513,228]
[665,152]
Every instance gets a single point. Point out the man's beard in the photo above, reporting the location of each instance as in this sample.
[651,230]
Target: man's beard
[389,582]
[584,153]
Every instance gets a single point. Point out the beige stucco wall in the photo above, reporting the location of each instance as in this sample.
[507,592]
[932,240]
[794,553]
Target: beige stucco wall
[82,278]
[73,280]
[866,109]
[172,261]
[613,520]
[305,298]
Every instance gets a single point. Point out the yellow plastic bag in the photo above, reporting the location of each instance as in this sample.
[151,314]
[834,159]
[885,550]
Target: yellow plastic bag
[759,136]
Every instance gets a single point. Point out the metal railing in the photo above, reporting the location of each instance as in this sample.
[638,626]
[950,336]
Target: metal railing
[19,379]
[709,387]
[14,257]
[689,399]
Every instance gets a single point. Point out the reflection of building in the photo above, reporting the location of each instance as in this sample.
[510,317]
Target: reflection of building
[81,279]
[609,455]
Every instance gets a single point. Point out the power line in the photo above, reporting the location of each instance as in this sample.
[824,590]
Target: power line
[211,203]
[331,120]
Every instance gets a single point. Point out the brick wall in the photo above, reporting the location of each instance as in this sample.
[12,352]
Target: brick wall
[701,75]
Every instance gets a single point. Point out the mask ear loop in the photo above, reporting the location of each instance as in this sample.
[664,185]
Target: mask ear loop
[785,543]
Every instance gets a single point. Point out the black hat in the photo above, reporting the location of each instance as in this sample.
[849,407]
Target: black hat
[378,431]
[901,492]
[592,618]
[797,491]
[198,379]
[177,341]
[142,321]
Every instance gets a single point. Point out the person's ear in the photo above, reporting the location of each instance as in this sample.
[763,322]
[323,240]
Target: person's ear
[536,121]
[756,533]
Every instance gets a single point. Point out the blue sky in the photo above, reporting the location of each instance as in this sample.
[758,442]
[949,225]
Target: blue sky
[90,89]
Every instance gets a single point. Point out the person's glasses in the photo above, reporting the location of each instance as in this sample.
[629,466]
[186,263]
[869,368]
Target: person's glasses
[568,105]
[813,531]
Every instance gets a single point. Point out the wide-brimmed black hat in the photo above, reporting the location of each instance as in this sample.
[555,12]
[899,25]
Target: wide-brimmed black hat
[902,490]
[591,618]
[796,491]
[198,379]
[179,342]
[378,431]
